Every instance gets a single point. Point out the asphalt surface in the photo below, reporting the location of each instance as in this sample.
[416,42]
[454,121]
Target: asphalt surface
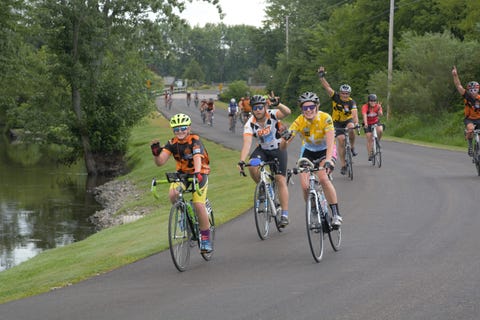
[409,251]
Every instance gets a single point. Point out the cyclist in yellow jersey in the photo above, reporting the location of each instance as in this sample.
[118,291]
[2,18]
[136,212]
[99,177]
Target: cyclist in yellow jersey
[344,115]
[318,134]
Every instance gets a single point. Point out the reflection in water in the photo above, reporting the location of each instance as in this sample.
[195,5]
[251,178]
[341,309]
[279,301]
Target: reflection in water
[41,207]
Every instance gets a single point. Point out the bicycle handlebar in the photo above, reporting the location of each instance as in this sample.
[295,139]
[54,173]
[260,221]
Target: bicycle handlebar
[305,165]
[256,162]
[173,177]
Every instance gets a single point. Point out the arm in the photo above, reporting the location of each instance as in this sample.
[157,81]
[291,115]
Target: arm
[456,81]
[330,139]
[162,158]
[364,116]
[197,162]
[355,116]
[247,143]
[284,111]
[324,82]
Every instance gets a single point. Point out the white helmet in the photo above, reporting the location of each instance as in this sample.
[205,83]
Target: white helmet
[232,100]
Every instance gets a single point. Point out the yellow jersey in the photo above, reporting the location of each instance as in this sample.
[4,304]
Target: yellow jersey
[313,131]
[342,110]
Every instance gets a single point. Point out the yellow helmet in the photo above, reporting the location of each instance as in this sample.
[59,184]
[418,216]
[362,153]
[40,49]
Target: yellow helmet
[180,119]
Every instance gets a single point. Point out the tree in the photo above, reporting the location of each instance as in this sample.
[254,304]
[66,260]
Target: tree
[96,44]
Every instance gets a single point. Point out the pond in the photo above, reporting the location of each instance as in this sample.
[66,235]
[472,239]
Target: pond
[42,206]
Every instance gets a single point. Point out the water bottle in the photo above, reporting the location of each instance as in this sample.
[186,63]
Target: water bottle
[208,205]
[323,202]
[270,190]
[190,212]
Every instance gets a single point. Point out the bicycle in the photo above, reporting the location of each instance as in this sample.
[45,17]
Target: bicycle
[476,149]
[266,204]
[183,225]
[233,122]
[318,216]
[210,118]
[348,151]
[376,148]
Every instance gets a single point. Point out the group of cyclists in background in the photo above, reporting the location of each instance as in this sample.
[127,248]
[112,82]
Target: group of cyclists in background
[322,136]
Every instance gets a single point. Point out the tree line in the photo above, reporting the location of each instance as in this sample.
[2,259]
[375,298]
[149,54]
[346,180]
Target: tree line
[73,73]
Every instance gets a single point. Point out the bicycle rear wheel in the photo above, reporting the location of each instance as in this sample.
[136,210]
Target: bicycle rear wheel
[179,235]
[378,154]
[211,219]
[314,229]
[261,210]
[349,162]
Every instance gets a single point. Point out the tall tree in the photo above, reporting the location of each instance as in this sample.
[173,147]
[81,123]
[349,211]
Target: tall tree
[97,44]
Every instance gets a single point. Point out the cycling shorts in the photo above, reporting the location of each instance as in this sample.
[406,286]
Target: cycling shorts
[269,155]
[340,125]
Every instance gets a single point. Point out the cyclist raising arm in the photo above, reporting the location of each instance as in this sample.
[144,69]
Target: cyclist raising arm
[266,127]
[472,107]
[344,115]
[370,113]
[317,132]
[192,158]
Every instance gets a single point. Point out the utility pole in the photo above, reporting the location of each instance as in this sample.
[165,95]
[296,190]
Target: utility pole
[286,36]
[390,57]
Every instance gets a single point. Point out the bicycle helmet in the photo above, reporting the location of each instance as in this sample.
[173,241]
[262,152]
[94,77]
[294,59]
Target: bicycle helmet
[345,88]
[232,100]
[372,97]
[473,86]
[308,96]
[180,119]
[257,99]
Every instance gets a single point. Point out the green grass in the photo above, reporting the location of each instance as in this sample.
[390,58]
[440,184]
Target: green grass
[109,249]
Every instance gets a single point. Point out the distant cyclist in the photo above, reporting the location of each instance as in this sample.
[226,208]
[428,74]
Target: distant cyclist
[245,108]
[344,115]
[370,113]
[318,134]
[265,125]
[471,100]
[195,99]
[232,113]
[189,98]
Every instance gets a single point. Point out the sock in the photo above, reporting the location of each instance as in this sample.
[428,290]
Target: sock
[285,213]
[205,234]
[334,208]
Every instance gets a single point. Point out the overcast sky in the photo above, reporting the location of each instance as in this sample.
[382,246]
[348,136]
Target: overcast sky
[249,12]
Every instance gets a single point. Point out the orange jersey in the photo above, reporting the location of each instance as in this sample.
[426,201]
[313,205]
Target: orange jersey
[184,151]
[469,110]
[245,105]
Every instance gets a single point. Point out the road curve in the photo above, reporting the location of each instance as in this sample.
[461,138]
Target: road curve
[410,251]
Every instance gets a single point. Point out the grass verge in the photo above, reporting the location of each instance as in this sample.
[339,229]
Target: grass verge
[117,246]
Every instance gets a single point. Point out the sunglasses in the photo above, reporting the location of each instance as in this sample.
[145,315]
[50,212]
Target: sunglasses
[257,107]
[178,129]
[309,107]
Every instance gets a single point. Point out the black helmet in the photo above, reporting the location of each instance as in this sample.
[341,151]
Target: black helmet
[308,96]
[372,97]
[257,99]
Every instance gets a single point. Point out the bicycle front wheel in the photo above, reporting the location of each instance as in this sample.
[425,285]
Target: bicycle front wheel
[476,157]
[261,208]
[314,229]
[179,235]
[211,219]
[277,211]
[378,154]
[334,233]
[349,162]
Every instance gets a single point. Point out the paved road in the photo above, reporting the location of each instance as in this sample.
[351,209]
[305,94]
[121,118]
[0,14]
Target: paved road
[410,251]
